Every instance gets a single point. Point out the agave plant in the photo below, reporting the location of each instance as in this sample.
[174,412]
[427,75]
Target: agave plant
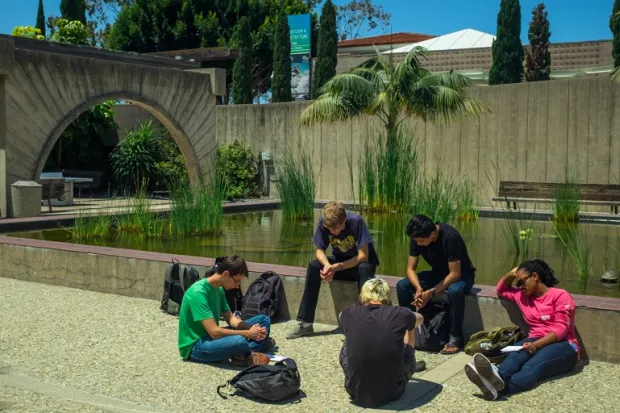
[393,94]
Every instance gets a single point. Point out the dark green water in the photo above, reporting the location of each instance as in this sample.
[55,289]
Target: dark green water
[262,237]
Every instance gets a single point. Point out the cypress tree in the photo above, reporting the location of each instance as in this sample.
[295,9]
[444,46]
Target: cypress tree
[507,50]
[73,10]
[281,82]
[41,18]
[538,58]
[614,25]
[242,70]
[327,49]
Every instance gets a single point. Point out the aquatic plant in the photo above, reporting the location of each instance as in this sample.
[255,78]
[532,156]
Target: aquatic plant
[574,239]
[566,204]
[197,209]
[296,182]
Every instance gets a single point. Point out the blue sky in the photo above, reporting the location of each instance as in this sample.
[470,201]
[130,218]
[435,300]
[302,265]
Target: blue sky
[571,20]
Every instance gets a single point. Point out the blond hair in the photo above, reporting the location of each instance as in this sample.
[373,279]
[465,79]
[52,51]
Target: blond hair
[334,214]
[375,289]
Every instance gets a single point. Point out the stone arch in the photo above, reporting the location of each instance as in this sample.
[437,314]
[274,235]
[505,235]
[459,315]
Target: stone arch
[44,86]
[151,106]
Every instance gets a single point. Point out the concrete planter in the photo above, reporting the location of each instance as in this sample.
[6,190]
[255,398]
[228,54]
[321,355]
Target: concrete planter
[26,199]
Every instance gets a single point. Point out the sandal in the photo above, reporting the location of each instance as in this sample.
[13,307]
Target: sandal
[450,348]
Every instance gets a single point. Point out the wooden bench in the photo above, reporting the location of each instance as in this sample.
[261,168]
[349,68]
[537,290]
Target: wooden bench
[52,189]
[545,192]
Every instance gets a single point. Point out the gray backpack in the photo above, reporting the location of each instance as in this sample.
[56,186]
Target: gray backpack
[178,279]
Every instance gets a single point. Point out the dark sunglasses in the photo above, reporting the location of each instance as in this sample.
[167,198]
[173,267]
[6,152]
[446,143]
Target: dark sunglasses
[521,281]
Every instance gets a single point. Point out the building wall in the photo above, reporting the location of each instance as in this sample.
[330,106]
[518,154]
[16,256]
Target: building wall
[129,116]
[564,56]
[535,131]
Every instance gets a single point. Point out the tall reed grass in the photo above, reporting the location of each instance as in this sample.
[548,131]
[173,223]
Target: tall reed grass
[88,227]
[575,241]
[296,183]
[391,180]
[138,218]
[566,205]
[197,210]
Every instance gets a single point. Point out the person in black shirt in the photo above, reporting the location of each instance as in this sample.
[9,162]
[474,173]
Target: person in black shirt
[378,357]
[452,271]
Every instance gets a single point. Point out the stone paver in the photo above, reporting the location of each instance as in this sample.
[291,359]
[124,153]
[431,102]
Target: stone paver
[125,349]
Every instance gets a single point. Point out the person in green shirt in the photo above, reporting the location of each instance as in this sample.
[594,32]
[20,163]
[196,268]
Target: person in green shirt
[201,339]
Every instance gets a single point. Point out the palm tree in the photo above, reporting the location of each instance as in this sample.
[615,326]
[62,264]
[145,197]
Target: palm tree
[388,174]
[394,94]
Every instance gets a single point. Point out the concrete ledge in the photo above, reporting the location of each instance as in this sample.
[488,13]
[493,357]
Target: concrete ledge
[140,274]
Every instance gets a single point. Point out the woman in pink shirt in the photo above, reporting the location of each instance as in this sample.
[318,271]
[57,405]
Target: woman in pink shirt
[551,347]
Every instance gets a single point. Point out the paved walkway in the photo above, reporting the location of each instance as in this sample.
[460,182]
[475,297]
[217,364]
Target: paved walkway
[68,350]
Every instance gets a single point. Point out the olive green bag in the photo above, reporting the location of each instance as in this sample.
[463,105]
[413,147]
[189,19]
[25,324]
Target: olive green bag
[490,343]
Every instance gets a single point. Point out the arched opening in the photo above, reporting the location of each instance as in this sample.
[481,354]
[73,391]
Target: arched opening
[98,161]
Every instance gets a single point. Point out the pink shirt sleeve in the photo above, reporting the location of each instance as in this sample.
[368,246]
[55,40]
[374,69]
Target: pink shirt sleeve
[563,309]
[506,292]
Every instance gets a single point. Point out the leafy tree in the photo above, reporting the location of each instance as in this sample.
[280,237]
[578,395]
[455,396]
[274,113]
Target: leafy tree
[281,84]
[327,49]
[158,25]
[614,26]
[73,10]
[358,17]
[393,94]
[41,18]
[507,50]
[538,58]
[242,70]
[28,31]
[73,32]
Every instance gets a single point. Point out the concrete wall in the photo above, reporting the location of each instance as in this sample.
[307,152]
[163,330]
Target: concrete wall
[128,116]
[564,56]
[140,274]
[534,132]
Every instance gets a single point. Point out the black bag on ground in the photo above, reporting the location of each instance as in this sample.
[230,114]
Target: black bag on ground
[268,382]
[434,332]
[234,297]
[178,279]
[263,296]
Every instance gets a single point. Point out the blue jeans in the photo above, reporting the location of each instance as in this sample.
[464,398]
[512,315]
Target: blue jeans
[522,371]
[207,350]
[456,297]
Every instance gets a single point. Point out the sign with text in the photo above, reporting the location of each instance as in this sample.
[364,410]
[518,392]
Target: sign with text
[300,29]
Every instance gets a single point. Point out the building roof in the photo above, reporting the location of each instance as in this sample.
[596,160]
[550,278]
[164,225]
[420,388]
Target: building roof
[202,54]
[463,39]
[394,38]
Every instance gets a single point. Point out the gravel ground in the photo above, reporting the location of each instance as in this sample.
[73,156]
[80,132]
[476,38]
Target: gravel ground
[125,348]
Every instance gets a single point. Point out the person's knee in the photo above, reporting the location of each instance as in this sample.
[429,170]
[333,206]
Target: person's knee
[366,267]
[263,320]
[239,345]
[403,286]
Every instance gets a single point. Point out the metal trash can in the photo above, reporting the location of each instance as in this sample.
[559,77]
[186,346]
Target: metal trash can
[26,199]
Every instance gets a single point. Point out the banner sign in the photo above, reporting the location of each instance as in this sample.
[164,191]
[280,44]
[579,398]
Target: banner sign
[301,36]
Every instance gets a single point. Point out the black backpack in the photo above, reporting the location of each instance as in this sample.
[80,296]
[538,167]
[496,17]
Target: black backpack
[234,297]
[178,279]
[263,296]
[268,382]
[433,333]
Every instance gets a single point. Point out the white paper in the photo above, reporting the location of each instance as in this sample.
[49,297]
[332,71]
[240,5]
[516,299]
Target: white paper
[275,358]
[509,349]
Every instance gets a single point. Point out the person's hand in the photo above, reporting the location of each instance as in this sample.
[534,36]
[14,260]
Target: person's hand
[422,299]
[262,334]
[328,272]
[530,347]
[255,332]
[418,293]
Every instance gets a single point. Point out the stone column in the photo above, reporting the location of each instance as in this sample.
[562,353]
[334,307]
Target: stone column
[7,56]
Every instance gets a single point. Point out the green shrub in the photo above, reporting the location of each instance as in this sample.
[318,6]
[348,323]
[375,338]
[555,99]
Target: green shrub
[239,169]
[147,154]
[566,205]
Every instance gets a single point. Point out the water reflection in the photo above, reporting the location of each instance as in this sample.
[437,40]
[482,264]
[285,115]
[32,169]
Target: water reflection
[264,237]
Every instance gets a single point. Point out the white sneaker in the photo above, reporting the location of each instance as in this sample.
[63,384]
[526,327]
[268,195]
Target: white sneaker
[488,390]
[488,371]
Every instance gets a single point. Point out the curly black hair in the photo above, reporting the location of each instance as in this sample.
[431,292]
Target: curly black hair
[540,267]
